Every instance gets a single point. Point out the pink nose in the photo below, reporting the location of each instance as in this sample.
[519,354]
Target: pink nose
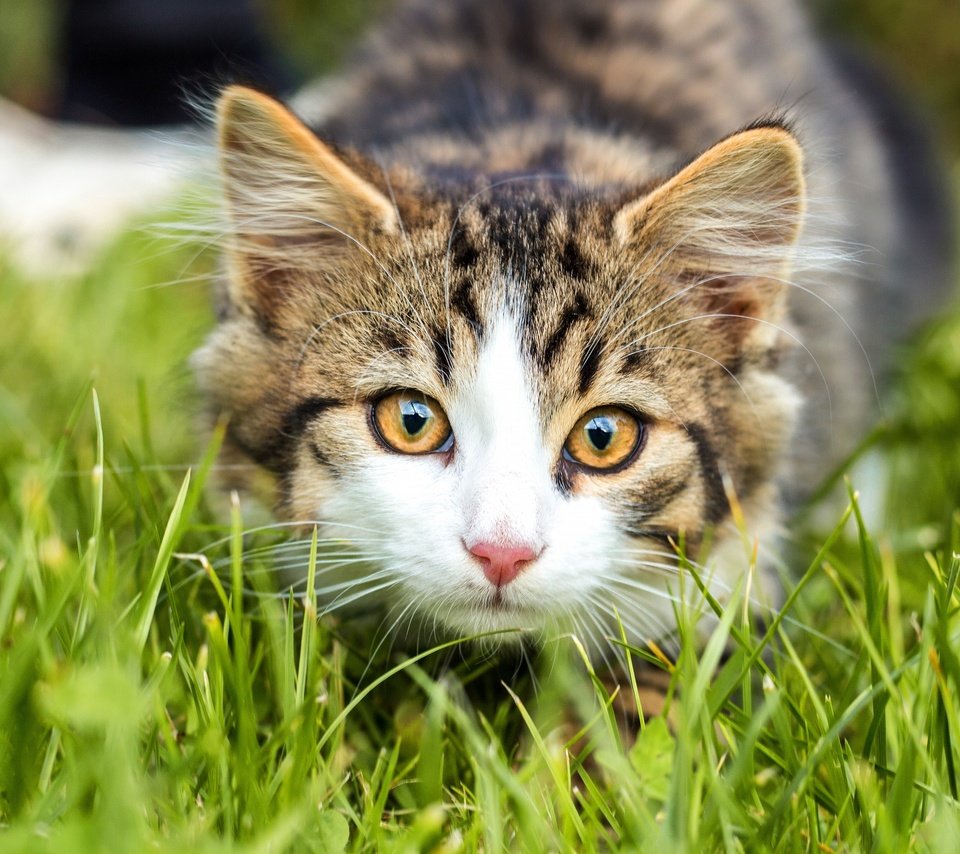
[501,564]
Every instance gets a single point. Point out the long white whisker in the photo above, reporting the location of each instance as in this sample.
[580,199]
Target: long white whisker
[342,601]
[729,373]
[760,320]
[318,328]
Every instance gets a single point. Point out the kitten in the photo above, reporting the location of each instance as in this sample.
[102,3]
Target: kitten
[551,288]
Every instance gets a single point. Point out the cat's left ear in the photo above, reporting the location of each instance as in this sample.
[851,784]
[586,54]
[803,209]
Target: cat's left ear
[278,174]
[725,226]
[294,204]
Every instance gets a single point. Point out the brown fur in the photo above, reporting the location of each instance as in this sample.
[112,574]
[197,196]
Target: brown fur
[528,154]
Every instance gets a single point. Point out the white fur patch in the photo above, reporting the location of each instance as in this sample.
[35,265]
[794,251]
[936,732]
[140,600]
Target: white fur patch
[505,487]
[498,488]
[422,513]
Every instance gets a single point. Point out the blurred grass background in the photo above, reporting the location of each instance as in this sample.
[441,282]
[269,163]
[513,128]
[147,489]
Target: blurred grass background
[919,40]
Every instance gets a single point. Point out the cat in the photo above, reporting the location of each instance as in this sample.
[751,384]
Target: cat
[537,294]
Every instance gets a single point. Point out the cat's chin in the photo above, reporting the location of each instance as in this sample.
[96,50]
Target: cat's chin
[506,622]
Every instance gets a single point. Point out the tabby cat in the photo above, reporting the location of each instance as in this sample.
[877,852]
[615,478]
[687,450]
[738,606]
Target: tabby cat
[539,292]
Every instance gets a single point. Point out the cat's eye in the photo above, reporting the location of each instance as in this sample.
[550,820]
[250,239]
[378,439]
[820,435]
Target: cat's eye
[411,423]
[604,438]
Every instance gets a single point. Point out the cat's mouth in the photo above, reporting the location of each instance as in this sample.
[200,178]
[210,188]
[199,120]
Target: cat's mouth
[495,601]
[492,612]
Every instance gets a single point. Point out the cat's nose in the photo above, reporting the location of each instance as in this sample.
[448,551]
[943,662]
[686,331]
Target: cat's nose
[503,563]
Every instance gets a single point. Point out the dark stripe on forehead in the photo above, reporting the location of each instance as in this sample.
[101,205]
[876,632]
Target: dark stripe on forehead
[462,251]
[441,353]
[391,341]
[574,263]
[578,310]
[518,231]
[715,496]
[462,302]
[589,365]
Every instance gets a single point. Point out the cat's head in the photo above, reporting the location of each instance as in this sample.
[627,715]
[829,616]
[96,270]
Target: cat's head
[515,395]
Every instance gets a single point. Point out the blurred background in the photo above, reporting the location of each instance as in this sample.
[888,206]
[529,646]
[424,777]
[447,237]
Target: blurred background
[276,43]
[918,40]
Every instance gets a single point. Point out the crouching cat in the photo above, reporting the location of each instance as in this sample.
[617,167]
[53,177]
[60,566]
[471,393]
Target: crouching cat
[546,289]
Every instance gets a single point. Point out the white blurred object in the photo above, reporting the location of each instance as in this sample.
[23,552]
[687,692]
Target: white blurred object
[67,190]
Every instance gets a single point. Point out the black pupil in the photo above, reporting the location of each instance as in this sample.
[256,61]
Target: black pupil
[414,414]
[600,432]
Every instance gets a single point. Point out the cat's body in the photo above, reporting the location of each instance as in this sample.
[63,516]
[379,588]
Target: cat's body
[504,230]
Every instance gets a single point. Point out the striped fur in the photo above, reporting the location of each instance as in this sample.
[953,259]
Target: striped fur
[525,210]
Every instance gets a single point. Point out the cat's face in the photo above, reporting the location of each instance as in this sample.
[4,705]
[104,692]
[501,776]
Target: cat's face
[516,400]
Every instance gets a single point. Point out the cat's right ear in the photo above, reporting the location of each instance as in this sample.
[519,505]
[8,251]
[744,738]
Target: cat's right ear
[293,203]
[725,227]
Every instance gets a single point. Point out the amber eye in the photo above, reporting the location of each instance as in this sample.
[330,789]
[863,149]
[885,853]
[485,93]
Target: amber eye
[411,423]
[604,438]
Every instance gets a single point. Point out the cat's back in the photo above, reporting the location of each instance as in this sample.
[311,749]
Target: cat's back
[680,73]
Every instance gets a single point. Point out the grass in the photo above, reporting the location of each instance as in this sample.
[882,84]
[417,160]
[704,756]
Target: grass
[148,704]
[153,696]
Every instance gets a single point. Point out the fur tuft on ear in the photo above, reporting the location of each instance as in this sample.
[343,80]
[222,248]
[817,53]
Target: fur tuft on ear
[292,202]
[726,225]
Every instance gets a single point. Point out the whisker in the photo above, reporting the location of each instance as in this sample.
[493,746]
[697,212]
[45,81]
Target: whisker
[318,328]
[181,467]
[302,523]
[322,591]
[389,633]
[759,320]
[342,601]
[322,567]
[730,374]
[836,312]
